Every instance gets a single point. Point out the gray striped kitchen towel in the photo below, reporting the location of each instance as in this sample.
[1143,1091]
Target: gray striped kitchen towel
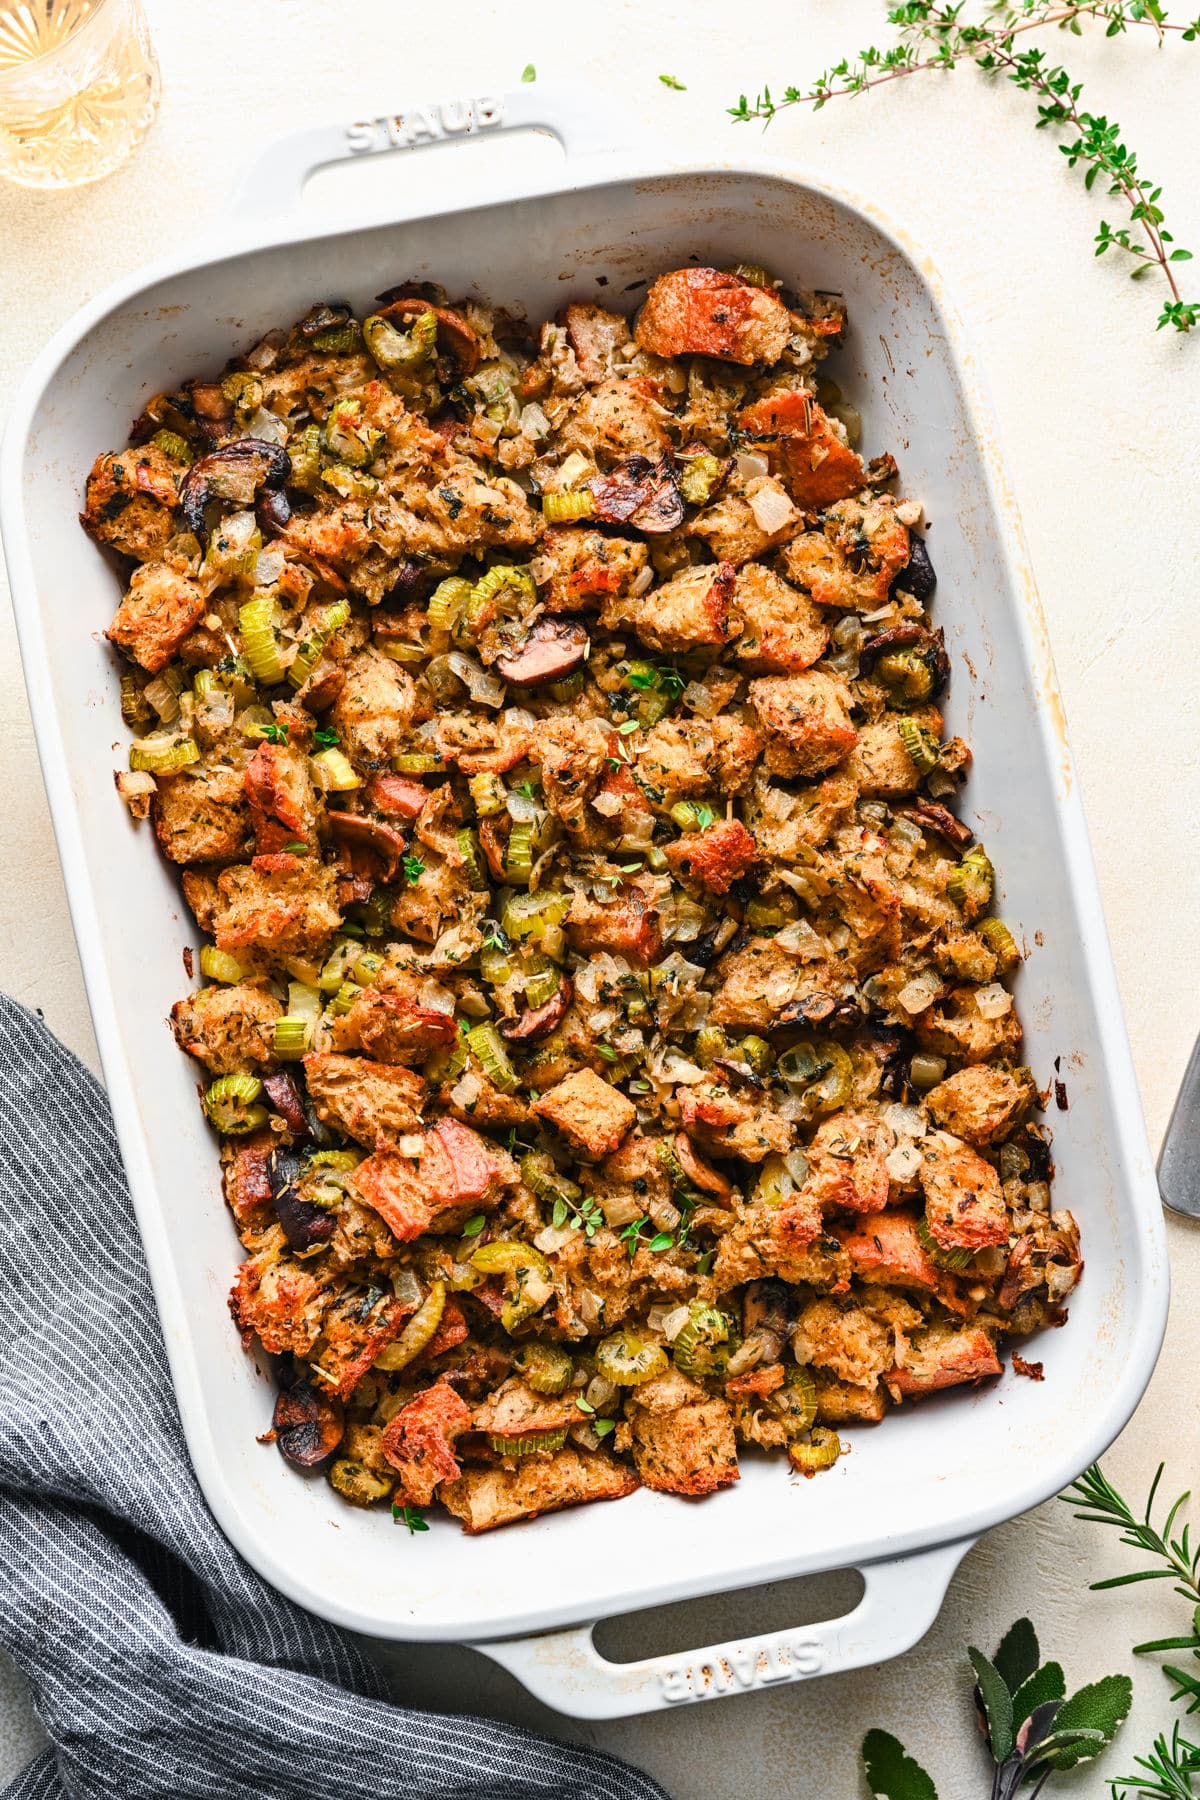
[161,1665]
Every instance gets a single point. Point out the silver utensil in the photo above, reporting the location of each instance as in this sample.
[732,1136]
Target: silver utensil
[1179,1158]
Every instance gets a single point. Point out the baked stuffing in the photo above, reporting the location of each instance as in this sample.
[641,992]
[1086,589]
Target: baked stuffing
[605,1018]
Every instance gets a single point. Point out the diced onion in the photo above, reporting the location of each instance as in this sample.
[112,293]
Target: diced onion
[906,1121]
[534,423]
[771,507]
[268,568]
[701,700]
[488,690]
[609,804]
[750,465]
[993,1001]
[643,580]
[917,996]
[800,939]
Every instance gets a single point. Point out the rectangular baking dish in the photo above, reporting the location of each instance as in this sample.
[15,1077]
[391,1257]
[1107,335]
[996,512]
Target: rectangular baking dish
[914,1493]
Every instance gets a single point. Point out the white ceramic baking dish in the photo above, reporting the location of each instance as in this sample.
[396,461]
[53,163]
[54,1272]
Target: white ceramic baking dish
[914,1493]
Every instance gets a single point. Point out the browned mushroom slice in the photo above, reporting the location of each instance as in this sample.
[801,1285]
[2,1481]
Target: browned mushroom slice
[213,412]
[374,849]
[640,493]
[274,510]
[493,841]
[700,1174]
[539,1021]
[324,316]
[552,650]
[304,1225]
[454,335]
[284,1095]
[308,1425]
[919,578]
[235,472]
[941,820]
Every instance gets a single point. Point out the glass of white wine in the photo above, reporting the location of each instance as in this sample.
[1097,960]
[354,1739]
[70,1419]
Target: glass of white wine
[79,89]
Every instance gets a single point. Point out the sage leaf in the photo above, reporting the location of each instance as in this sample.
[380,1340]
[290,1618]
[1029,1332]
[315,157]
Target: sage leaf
[1102,1707]
[1044,1684]
[1063,1749]
[997,1705]
[1018,1656]
[891,1772]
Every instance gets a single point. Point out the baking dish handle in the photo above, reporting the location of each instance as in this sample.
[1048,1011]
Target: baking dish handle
[582,127]
[901,1600]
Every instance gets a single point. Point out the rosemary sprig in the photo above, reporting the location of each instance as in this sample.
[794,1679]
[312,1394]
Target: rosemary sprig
[1169,1770]
[938,36]
[1101,1504]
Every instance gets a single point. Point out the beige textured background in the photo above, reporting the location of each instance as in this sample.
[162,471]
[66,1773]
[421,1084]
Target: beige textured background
[1101,419]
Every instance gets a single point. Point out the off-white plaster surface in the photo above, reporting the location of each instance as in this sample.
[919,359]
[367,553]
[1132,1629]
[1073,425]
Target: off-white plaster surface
[1101,420]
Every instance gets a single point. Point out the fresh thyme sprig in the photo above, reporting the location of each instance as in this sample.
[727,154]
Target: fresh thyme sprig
[937,36]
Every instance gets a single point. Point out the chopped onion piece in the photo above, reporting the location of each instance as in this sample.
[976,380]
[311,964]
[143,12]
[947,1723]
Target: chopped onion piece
[268,568]
[771,507]
[553,1238]
[701,700]
[750,465]
[916,997]
[904,1162]
[643,579]
[609,804]
[993,1001]
[906,1121]
[488,690]
[801,940]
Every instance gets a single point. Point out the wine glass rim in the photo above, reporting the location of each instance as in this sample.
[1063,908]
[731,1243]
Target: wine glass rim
[72,38]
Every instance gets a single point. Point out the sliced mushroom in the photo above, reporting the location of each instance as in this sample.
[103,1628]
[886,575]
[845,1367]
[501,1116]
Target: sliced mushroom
[308,1426]
[284,1095]
[213,412]
[941,820]
[640,493]
[493,841]
[234,472]
[811,1009]
[410,579]
[540,1021]
[738,1074]
[553,649]
[919,578]
[455,336]
[701,1174]
[304,1225]
[274,510]
[374,849]
[323,316]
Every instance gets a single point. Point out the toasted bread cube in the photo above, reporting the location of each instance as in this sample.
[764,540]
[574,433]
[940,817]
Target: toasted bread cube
[486,1498]
[393,1024]
[417,1442]
[848,1341]
[733,1124]
[782,630]
[374,709]
[978,1104]
[629,927]
[682,759]
[805,720]
[281,797]
[819,466]
[585,567]
[715,857]
[591,1114]
[708,312]
[847,1162]
[201,815]
[158,612]
[279,1301]
[964,1202]
[372,1102]
[944,1356]
[622,417]
[244,1178]
[227,1028]
[683,1438]
[287,909]
[845,1403]
[596,336]
[130,501]
[884,1247]
[879,764]
[685,613]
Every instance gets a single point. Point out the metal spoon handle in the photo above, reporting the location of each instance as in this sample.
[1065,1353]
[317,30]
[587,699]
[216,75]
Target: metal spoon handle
[1179,1158]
